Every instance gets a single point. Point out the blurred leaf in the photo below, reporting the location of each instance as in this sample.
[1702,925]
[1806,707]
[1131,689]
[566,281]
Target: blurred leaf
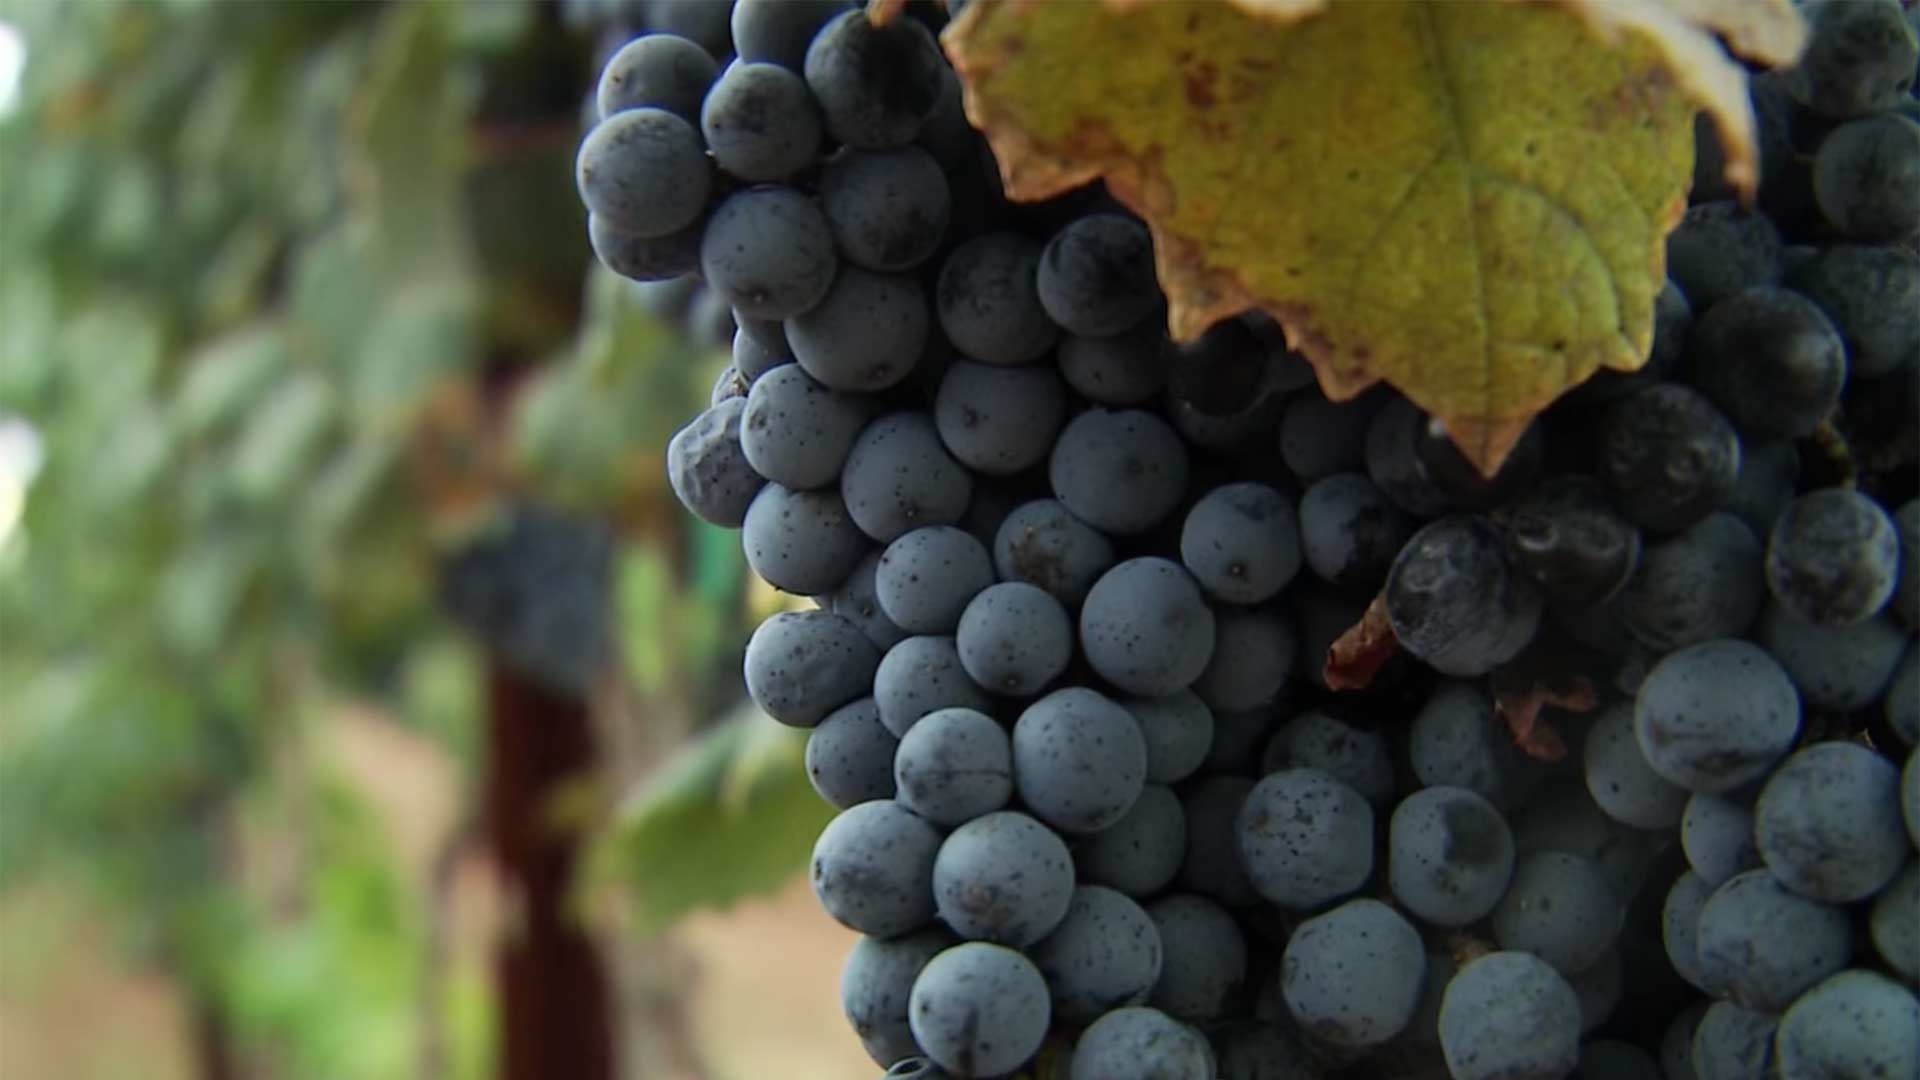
[730,816]
[441,693]
[226,377]
[423,334]
[200,592]
[281,437]
[403,147]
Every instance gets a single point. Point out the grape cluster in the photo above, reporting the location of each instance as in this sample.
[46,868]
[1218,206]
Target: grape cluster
[1075,587]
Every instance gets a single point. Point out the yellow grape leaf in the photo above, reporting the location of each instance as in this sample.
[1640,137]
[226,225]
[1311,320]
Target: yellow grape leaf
[1467,200]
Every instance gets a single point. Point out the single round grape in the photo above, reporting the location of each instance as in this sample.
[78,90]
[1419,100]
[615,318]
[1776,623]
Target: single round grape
[802,665]
[876,84]
[1003,877]
[760,123]
[1716,715]
[1864,177]
[1450,855]
[644,172]
[898,477]
[1138,1043]
[767,251]
[708,470]
[1570,541]
[999,420]
[1835,667]
[875,982]
[1717,835]
[865,334]
[795,431]
[1139,854]
[1096,275]
[1700,585]
[1872,294]
[873,869]
[1179,732]
[1352,975]
[1205,957]
[1832,558]
[1355,756]
[1827,823]
[1763,945]
[1680,931]
[645,260]
[1733,1043]
[754,357]
[1014,639]
[1128,368]
[1894,923]
[661,71]
[988,302]
[920,675]
[1508,1015]
[888,209]
[1079,760]
[1145,629]
[1213,866]
[1457,741]
[1253,658]
[779,31]
[1120,472]
[1859,59]
[1042,544]
[1241,542]
[1668,456]
[953,766]
[926,578]
[1453,601]
[1857,1023]
[1350,531]
[1560,908]
[978,1009]
[1305,838]
[850,755]
[801,542]
[1621,781]
[1719,249]
[1104,955]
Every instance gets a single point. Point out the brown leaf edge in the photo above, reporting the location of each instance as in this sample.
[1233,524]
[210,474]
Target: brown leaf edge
[1522,690]
[1357,655]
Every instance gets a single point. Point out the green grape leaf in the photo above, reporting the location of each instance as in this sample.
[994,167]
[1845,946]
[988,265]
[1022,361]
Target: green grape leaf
[1466,200]
[730,816]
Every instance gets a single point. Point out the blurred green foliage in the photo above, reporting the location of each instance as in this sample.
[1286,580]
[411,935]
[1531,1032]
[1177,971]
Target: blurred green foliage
[267,272]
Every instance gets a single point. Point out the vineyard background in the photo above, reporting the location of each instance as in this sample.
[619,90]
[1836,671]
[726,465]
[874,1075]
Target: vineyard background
[296,330]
